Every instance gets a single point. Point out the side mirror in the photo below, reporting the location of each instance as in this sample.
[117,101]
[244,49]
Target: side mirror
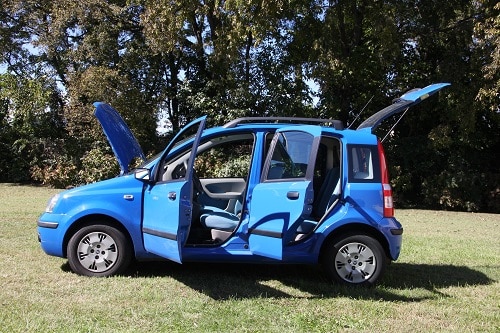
[142,174]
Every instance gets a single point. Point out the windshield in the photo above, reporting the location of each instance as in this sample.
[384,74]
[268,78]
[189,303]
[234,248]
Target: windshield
[184,137]
[148,164]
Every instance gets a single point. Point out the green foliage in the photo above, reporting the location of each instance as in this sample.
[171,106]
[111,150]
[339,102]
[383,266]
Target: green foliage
[61,171]
[210,166]
[172,61]
[230,160]
[98,165]
[29,123]
[61,174]
[443,152]
[237,167]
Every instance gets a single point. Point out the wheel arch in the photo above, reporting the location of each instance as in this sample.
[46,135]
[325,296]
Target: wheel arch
[90,220]
[356,228]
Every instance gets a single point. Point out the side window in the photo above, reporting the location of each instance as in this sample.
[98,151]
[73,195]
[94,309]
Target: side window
[228,159]
[290,157]
[364,164]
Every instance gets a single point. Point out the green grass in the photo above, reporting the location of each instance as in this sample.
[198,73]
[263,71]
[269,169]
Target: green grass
[446,280]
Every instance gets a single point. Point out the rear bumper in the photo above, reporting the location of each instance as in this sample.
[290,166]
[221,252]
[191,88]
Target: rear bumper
[394,233]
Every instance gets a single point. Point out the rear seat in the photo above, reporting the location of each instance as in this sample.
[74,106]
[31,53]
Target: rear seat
[322,202]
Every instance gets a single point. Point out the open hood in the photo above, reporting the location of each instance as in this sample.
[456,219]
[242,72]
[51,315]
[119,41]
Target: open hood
[409,99]
[121,139]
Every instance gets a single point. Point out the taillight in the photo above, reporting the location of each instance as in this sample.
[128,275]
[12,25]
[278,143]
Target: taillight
[386,187]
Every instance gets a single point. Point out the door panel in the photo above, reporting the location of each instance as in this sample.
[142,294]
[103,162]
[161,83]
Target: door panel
[224,188]
[276,212]
[285,194]
[168,204]
[167,219]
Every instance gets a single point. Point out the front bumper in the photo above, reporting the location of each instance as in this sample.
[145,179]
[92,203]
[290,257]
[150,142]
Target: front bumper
[50,235]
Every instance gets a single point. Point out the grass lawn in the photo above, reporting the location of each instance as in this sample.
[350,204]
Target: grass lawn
[445,280]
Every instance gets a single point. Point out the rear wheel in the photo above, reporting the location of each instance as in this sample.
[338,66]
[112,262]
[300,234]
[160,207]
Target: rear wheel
[99,250]
[354,260]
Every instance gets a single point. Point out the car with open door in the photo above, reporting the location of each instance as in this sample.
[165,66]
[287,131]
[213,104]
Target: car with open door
[256,190]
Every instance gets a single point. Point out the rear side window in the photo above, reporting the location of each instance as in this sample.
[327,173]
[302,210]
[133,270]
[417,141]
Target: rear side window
[363,164]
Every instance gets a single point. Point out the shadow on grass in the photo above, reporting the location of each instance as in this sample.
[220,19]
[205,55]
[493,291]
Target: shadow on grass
[238,281]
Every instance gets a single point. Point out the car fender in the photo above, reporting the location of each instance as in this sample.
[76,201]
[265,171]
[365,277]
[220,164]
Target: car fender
[109,210]
[350,221]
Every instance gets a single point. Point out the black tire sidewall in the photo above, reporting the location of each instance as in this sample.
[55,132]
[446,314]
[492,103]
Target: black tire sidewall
[334,246]
[122,247]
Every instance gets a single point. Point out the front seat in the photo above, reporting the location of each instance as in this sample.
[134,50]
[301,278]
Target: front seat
[220,219]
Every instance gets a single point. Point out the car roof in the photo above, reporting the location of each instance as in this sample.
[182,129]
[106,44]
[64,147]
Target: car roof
[335,123]
[348,135]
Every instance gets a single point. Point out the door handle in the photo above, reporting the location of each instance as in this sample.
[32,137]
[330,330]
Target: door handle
[292,195]
[172,195]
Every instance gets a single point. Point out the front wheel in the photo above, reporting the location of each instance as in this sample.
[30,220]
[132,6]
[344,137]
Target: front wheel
[354,260]
[99,250]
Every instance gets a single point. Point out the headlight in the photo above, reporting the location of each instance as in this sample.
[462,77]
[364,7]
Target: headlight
[52,203]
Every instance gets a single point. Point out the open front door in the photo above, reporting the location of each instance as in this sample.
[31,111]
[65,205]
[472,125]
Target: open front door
[168,203]
[285,194]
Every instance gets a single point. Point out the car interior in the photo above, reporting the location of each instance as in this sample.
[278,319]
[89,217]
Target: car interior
[220,182]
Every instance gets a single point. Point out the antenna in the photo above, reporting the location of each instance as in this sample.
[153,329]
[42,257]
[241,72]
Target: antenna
[395,124]
[359,114]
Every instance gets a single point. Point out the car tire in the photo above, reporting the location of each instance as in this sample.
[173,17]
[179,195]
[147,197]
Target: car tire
[99,250]
[355,260]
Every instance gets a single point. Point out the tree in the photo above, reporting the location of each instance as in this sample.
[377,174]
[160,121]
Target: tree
[172,61]
[229,56]
[353,48]
[450,163]
[95,51]
[31,126]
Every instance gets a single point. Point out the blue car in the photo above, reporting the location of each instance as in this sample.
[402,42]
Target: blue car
[256,190]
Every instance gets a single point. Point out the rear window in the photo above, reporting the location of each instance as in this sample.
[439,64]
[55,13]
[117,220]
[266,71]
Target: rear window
[363,164]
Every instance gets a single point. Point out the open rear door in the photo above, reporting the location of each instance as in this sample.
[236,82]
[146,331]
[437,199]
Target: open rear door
[168,205]
[409,99]
[285,194]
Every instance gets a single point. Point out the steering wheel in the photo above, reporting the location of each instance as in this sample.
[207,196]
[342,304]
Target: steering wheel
[179,171]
